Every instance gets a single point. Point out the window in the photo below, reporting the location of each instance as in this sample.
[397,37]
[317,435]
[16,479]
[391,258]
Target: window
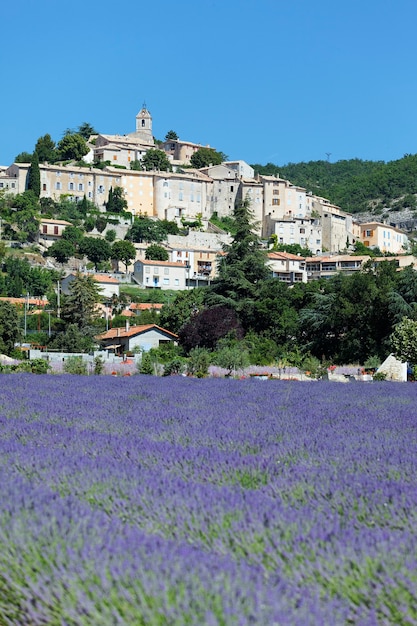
[55,230]
[156,270]
[58,173]
[143,123]
[147,270]
[166,270]
[71,186]
[275,192]
[44,187]
[80,187]
[275,201]
[166,281]
[44,229]
[302,231]
[176,282]
[58,185]
[114,157]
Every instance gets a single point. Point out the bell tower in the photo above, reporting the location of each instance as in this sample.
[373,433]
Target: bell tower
[144,125]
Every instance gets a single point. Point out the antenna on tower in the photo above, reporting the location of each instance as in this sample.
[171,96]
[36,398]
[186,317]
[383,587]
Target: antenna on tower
[328,154]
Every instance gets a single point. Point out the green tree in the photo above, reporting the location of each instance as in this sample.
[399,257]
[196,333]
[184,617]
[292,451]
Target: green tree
[72,147]
[80,305]
[155,159]
[186,304]
[110,235]
[171,136]
[404,341]
[73,339]
[231,356]
[34,175]
[86,130]
[116,202]
[9,327]
[73,235]
[96,250]
[243,265]
[145,229]
[155,252]
[23,157]
[123,251]
[203,157]
[26,215]
[46,149]
[61,250]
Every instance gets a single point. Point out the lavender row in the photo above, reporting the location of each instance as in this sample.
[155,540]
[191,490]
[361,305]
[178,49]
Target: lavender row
[302,496]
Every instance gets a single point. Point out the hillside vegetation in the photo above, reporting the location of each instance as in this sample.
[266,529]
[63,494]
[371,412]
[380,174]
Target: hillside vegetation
[356,186]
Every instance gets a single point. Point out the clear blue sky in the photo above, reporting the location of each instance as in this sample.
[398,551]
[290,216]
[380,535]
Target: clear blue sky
[261,80]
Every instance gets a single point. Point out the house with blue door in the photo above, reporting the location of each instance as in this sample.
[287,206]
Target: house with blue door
[161,274]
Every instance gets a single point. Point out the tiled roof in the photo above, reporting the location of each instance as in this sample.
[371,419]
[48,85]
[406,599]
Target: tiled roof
[113,333]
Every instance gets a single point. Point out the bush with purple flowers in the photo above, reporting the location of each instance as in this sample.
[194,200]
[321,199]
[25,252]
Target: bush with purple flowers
[153,501]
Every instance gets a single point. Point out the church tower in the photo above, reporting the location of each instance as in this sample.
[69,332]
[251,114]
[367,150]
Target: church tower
[144,126]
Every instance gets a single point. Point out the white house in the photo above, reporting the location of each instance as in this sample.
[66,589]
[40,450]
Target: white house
[161,274]
[145,337]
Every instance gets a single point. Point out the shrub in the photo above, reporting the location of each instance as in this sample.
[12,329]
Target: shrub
[75,365]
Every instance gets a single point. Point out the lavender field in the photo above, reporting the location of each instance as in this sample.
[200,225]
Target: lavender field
[148,501]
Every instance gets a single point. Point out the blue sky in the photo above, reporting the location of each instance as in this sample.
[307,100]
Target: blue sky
[261,80]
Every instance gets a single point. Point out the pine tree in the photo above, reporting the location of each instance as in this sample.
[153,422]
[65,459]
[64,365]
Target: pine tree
[244,263]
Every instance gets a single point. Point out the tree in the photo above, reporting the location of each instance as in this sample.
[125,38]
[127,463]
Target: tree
[34,175]
[204,329]
[96,250]
[116,202]
[72,147]
[156,159]
[178,312]
[73,235]
[46,149]
[26,215]
[203,157]
[243,265]
[9,327]
[86,130]
[61,250]
[23,157]
[146,229]
[123,251]
[171,136]
[156,253]
[73,339]
[80,305]
[404,341]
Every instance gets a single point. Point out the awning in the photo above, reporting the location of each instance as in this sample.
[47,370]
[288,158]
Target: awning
[113,347]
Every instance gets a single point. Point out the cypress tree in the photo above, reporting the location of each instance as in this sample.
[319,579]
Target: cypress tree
[34,176]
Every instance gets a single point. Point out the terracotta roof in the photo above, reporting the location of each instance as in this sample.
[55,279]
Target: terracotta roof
[60,222]
[101,278]
[285,255]
[114,333]
[145,306]
[30,300]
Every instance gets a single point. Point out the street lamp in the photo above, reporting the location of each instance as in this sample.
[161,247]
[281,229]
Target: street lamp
[26,310]
[49,311]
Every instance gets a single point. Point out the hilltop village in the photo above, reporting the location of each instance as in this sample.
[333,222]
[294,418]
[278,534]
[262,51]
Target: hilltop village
[283,212]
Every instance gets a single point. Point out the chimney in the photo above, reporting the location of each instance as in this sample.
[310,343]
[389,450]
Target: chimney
[127,325]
